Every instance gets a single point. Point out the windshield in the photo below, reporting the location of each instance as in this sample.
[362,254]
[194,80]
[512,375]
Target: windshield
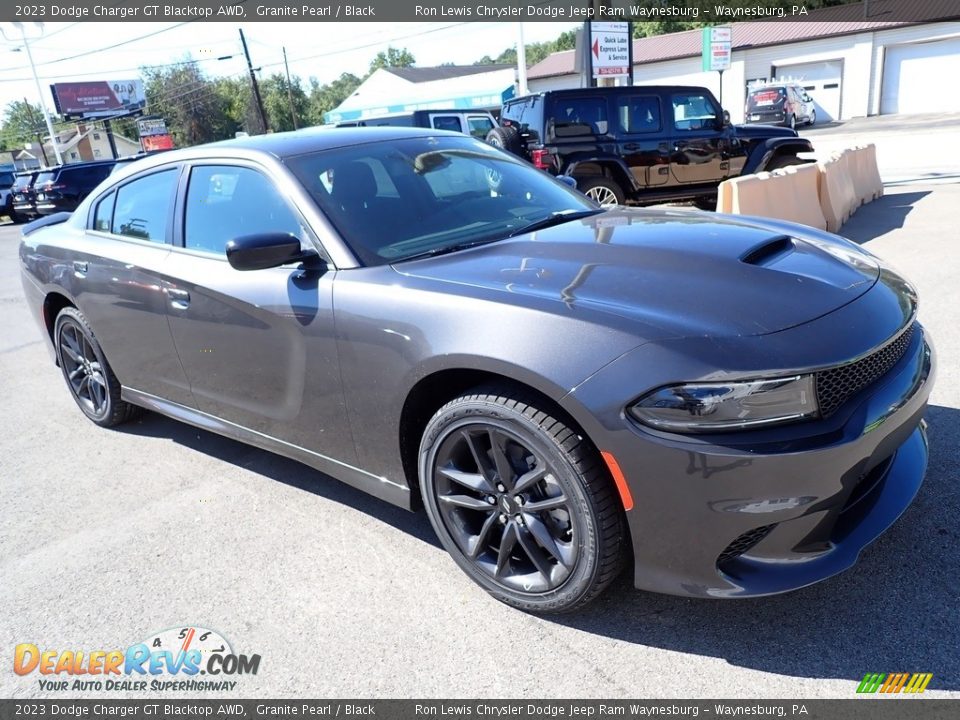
[767,97]
[45,177]
[23,182]
[395,200]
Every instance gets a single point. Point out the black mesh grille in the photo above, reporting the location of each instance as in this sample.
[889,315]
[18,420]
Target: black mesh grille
[743,543]
[836,385]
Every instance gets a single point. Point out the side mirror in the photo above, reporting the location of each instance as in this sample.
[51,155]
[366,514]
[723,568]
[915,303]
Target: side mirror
[265,250]
[568,180]
[725,118]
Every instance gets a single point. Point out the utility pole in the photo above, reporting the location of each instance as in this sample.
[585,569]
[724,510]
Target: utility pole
[521,61]
[293,113]
[43,102]
[256,88]
[33,124]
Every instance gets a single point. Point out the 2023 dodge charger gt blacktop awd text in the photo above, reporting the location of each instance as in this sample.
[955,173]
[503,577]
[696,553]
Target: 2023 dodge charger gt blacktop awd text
[733,404]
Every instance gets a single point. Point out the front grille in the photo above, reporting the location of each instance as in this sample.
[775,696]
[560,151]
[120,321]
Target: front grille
[836,385]
[743,543]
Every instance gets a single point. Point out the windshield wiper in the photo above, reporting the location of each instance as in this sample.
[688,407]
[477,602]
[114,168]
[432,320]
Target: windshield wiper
[433,252]
[557,218]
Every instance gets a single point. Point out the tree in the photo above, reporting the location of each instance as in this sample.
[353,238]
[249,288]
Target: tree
[195,109]
[22,122]
[324,98]
[276,102]
[391,57]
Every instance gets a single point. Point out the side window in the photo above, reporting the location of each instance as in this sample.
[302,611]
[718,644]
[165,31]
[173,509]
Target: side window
[639,114]
[225,202]
[480,125]
[143,207]
[103,215]
[447,122]
[693,112]
[579,116]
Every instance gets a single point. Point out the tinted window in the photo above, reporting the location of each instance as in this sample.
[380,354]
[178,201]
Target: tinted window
[6,180]
[694,112]
[226,202]
[579,116]
[449,191]
[23,182]
[766,97]
[103,215]
[45,177]
[479,126]
[143,207]
[447,122]
[639,114]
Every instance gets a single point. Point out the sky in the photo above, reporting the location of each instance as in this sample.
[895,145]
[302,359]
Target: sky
[64,51]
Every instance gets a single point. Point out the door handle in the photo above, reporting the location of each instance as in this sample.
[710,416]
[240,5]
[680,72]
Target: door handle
[179,299]
[80,268]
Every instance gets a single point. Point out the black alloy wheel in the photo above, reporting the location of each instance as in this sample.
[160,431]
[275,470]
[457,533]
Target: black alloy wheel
[521,502]
[89,377]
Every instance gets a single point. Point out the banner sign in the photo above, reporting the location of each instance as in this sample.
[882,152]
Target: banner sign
[609,49]
[98,99]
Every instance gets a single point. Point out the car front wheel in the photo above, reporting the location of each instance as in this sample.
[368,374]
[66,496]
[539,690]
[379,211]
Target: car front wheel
[602,190]
[89,378]
[521,501]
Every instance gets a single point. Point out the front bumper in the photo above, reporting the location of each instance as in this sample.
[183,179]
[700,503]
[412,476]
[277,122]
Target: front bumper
[725,517]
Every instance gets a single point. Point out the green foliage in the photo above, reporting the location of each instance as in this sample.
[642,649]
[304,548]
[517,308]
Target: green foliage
[391,57]
[190,103]
[324,98]
[20,124]
[277,101]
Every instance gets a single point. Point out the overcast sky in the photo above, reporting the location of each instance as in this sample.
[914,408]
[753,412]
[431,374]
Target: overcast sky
[319,49]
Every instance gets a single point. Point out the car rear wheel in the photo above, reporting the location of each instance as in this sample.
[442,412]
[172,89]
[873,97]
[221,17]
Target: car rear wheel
[89,378]
[791,122]
[506,138]
[604,191]
[813,117]
[521,501]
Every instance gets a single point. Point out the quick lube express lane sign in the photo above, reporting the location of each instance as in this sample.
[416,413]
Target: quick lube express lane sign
[610,48]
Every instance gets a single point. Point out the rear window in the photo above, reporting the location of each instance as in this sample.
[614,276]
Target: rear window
[46,177]
[22,182]
[6,179]
[767,97]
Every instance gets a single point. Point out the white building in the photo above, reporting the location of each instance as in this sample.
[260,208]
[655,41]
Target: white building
[851,67]
[399,90]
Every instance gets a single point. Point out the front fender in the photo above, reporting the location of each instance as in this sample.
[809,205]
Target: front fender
[764,151]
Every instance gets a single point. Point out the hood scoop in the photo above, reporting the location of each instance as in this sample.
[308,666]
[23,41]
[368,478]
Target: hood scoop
[767,251]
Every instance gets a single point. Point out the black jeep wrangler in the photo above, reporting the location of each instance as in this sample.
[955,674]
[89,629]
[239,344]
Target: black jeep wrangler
[641,144]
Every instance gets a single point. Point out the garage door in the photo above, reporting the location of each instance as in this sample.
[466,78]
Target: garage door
[913,77]
[821,80]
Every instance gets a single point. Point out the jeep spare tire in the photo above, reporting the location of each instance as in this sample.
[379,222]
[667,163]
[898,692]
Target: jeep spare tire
[506,138]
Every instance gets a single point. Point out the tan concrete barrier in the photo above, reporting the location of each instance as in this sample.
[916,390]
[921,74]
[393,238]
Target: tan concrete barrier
[836,191]
[792,194]
[867,180]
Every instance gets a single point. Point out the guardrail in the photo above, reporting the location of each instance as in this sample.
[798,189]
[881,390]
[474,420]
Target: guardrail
[823,194]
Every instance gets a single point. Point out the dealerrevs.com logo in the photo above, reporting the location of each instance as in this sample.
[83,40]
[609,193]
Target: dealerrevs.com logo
[171,660]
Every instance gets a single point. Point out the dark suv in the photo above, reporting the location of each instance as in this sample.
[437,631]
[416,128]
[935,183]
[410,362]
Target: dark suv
[60,189]
[23,206]
[641,144]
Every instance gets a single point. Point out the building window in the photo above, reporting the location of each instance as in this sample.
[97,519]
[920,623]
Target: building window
[96,136]
[73,156]
[96,152]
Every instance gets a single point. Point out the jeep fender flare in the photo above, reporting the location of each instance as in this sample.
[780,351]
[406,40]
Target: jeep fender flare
[613,165]
[761,155]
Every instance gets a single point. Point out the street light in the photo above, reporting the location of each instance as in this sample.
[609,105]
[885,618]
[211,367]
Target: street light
[43,103]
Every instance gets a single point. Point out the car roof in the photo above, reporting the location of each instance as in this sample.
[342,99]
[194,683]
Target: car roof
[611,91]
[298,142]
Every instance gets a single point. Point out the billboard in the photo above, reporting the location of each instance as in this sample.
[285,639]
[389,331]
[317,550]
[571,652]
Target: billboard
[98,99]
[154,134]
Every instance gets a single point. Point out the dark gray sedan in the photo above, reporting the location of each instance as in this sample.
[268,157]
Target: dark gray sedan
[732,405]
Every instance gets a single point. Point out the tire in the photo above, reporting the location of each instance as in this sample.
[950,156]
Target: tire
[506,138]
[603,190]
[782,161]
[813,117]
[88,375]
[707,202]
[791,122]
[548,540]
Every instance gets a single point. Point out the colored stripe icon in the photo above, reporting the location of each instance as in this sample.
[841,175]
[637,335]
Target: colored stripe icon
[894,682]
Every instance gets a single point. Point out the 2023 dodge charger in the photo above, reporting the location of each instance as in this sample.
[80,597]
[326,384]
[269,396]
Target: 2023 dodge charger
[735,404]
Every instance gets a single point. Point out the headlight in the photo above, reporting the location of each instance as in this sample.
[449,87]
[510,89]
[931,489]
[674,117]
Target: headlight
[713,407]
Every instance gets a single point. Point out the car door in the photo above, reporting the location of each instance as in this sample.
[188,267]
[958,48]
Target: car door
[119,275]
[696,153]
[640,138]
[258,347]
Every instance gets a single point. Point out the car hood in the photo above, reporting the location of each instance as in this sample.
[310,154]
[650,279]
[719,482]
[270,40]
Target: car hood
[664,273]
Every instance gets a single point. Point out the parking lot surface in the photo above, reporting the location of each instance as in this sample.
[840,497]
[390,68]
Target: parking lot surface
[108,537]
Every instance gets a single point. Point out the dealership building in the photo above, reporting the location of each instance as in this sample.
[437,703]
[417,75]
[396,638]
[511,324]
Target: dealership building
[851,67]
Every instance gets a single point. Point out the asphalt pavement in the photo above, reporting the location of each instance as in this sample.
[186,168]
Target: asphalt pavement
[110,536]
